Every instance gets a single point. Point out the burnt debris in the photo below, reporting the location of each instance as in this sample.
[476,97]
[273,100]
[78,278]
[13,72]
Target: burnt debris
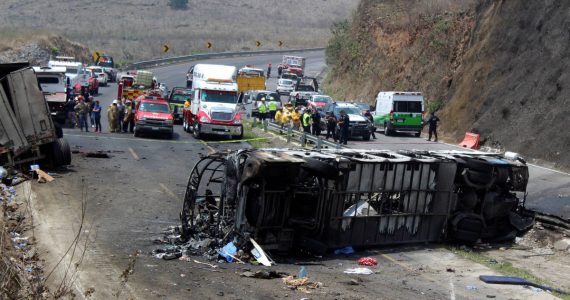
[322,200]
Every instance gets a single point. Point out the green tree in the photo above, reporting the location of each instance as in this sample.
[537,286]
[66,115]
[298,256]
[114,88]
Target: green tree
[178,4]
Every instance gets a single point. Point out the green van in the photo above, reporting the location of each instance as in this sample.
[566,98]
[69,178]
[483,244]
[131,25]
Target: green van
[399,111]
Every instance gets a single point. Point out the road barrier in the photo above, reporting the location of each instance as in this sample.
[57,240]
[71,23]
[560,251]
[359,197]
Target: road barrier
[471,140]
[184,58]
[302,137]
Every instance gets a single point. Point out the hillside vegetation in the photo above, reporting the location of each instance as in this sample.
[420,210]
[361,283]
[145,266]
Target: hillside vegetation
[493,67]
[136,29]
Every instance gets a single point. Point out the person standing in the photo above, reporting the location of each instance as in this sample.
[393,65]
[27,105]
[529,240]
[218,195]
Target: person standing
[368,115]
[121,112]
[316,118]
[262,111]
[343,123]
[331,126]
[272,106]
[268,70]
[279,70]
[82,110]
[112,116]
[70,109]
[296,119]
[97,116]
[307,121]
[129,120]
[432,122]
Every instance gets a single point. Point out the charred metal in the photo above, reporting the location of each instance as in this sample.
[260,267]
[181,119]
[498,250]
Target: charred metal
[327,199]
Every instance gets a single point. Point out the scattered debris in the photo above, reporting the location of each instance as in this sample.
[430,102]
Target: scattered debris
[345,250]
[264,274]
[43,176]
[301,284]
[471,287]
[302,272]
[367,261]
[207,264]
[96,154]
[450,270]
[359,271]
[228,252]
[511,280]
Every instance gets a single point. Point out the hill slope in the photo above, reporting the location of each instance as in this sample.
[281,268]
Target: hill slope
[497,67]
[136,29]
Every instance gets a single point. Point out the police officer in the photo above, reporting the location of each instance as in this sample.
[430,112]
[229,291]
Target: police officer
[272,106]
[432,122]
[307,121]
[368,115]
[262,110]
[343,123]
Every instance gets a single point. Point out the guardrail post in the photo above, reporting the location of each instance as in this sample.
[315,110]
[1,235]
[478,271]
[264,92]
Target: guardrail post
[289,133]
[303,139]
[265,125]
[319,143]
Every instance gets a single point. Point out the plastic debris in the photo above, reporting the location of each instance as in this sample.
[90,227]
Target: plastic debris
[359,271]
[263,274]
[367,261]
[345,250]
[259,254]
[302,272]
[471,287]
[228,252]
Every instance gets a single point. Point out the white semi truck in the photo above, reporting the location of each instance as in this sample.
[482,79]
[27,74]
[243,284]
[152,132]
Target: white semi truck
[215,102]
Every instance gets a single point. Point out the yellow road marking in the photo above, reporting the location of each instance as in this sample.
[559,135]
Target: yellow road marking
[169,192]
[133,153]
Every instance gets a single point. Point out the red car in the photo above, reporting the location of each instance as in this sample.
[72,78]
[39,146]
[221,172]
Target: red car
[319,101]
[153,116]
[93,83]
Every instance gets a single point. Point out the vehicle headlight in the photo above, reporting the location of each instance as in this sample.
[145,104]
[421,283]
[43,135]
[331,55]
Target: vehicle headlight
[237,121]
[204,119]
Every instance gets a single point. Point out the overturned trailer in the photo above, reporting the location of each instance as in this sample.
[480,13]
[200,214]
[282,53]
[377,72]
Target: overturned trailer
[321,200]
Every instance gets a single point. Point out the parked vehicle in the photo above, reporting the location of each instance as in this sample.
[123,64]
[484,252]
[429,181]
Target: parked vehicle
[134,84]
[53,84]
[108,64]
[153,115]
[73,70]
[176,100]
[359,126]
[253,98]
[285,86]
[101,76]
[319,101]
[293,64]
[363,106]
[302,96]
[249,79]
[93,87]
[290,76]
[399,111]
[214,109]
[27,132]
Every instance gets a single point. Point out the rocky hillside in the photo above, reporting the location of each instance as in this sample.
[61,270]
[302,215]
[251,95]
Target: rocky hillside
[493,67]
[37,48]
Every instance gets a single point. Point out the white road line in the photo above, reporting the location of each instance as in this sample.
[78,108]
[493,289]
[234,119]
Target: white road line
[451,289]
[168,191]
[133,153]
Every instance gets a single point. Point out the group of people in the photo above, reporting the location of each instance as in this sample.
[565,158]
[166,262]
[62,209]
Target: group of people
[81,111]
[309,119]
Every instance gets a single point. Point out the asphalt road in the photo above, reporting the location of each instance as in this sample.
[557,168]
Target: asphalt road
[137,192]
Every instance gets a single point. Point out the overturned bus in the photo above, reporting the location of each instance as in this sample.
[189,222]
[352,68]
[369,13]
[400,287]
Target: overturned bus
[321,200]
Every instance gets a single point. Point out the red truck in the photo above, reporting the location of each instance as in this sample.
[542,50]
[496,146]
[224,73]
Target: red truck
[153,115]
[293,64]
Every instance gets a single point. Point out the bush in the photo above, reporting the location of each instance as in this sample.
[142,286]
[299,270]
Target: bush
[434,105]
[178,4]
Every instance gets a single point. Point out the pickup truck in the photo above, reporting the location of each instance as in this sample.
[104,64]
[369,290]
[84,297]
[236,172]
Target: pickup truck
[359,126]
[176,100]
[153,116]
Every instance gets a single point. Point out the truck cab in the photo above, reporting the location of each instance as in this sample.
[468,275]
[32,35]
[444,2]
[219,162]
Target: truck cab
[153,116]
[53,84]
[214,108]
[293,64]
[399,111]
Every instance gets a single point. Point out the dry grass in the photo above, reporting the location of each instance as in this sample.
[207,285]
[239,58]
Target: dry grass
[136,29]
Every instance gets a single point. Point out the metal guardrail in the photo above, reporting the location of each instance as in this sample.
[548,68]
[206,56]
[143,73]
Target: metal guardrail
[302,137]
[178,59]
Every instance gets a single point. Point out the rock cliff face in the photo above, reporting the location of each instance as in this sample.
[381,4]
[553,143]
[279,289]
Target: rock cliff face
[37,48]
[494,67]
